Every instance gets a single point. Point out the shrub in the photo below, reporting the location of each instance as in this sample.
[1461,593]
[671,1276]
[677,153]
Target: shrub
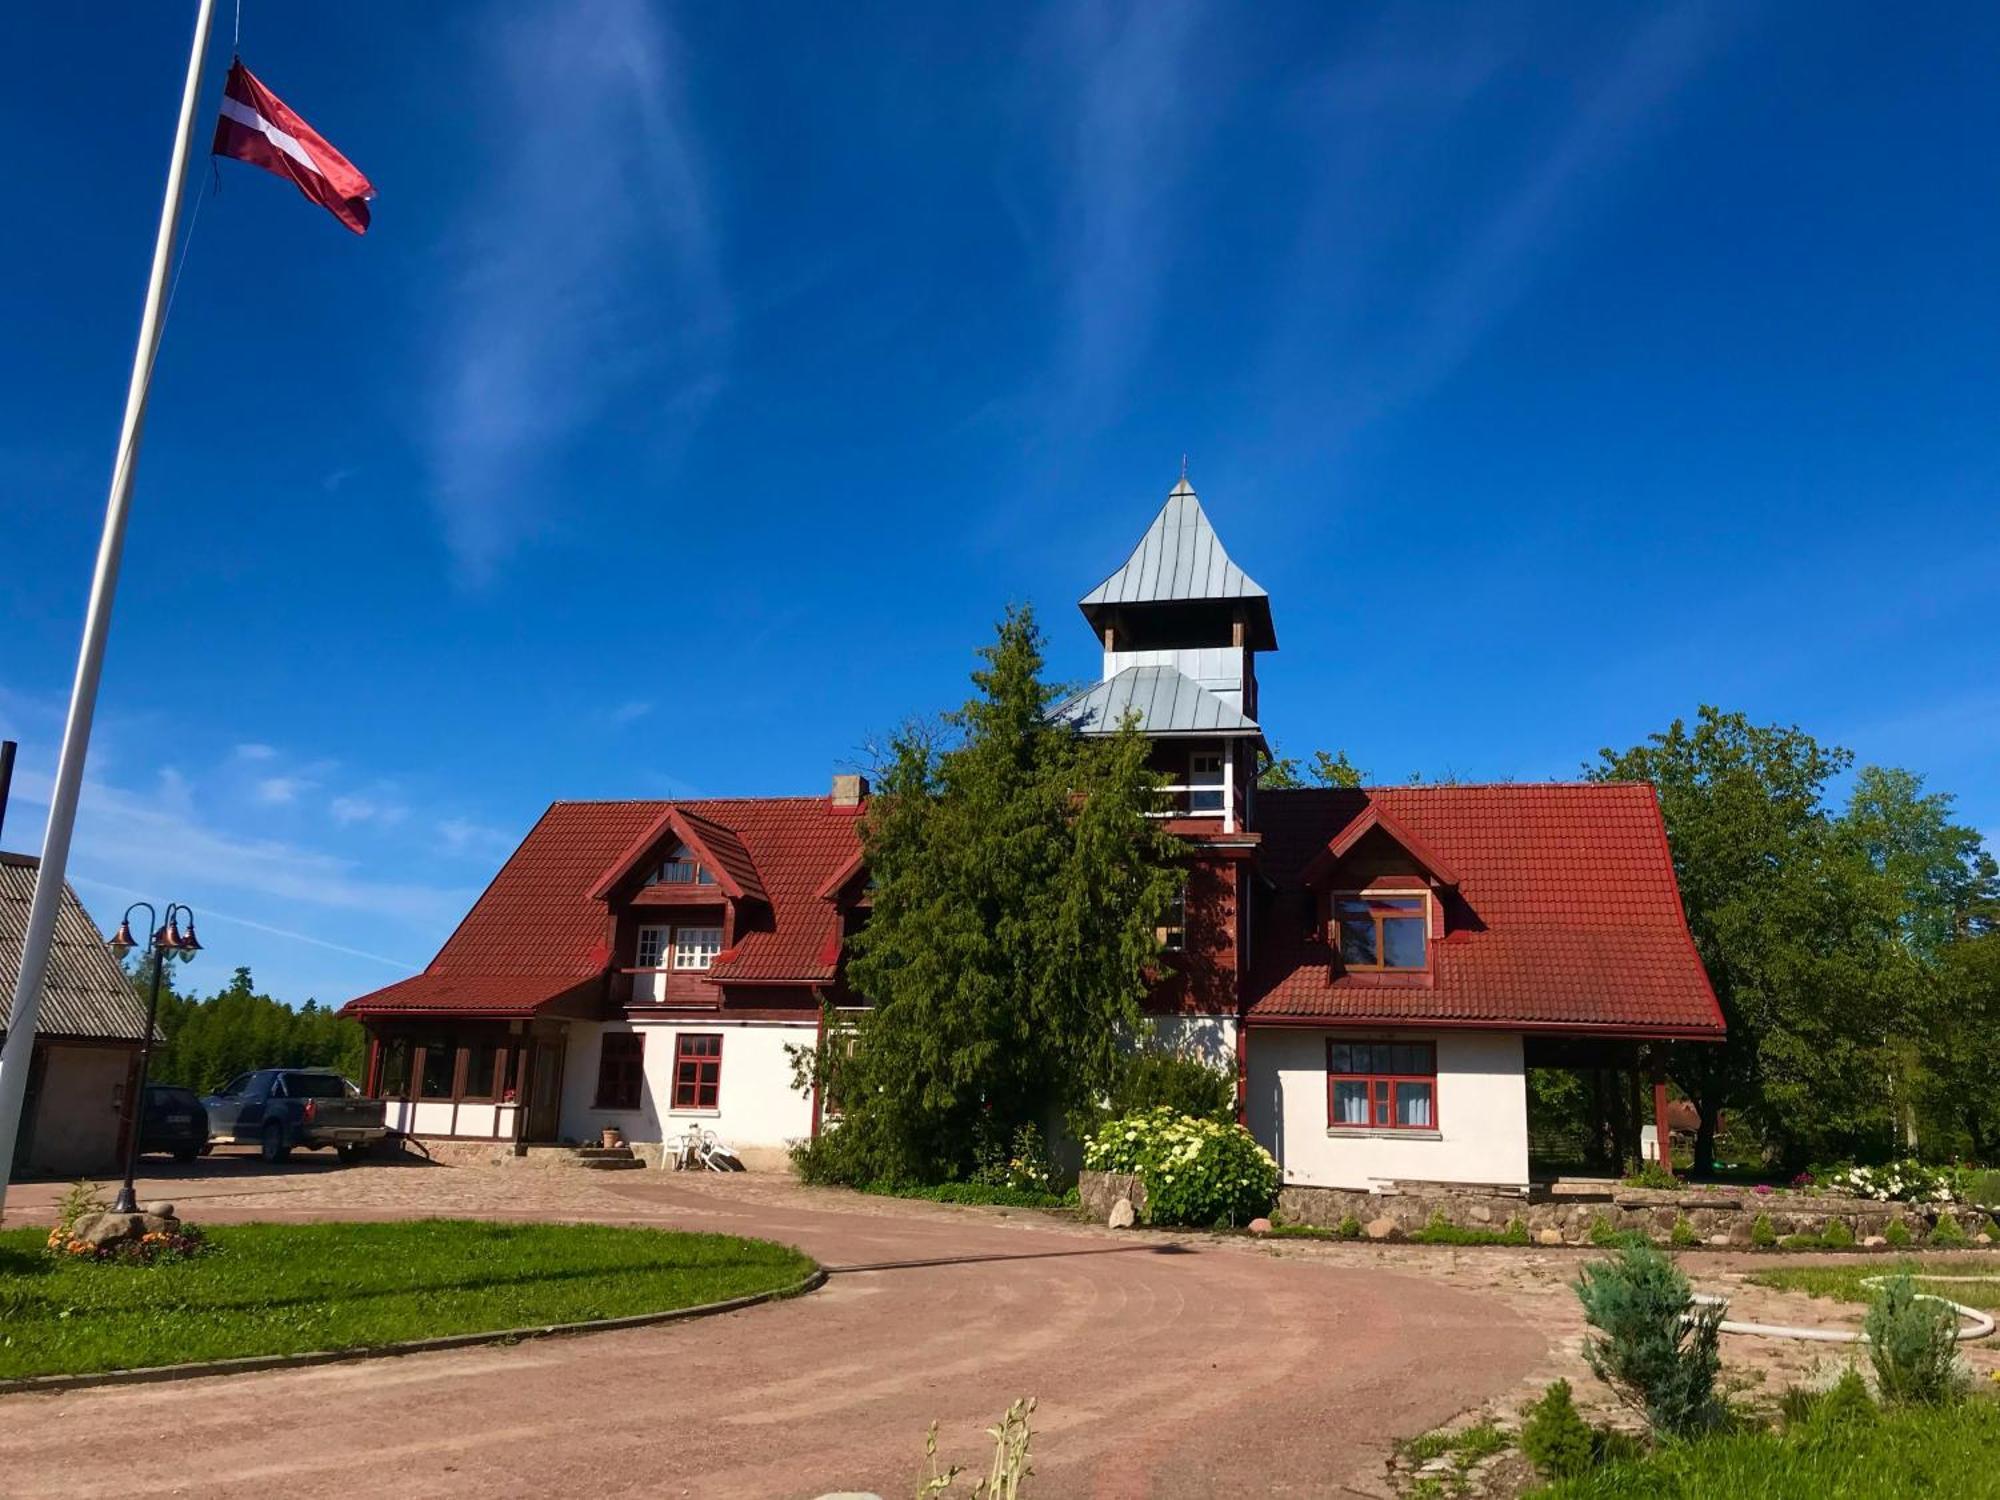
[1607,1237]
[1682,1235]
[1023,1164]
[1913,1345]
[1897,1235]
[1516,1232]
[1978,1186]
[1898,1182]
[1554,1436]
[1650,1174]
[1837,1236]
[1196,1171]
[1659,1348]
[1350,1227]
[1186,1085]
[1762,1235]
[1800,1242]
[1842,1408]
[1946,1235]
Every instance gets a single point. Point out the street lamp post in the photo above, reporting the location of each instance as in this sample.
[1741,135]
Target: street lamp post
[167,939]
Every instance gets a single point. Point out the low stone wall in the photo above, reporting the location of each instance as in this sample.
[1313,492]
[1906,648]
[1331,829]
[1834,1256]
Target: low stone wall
[1717,1217]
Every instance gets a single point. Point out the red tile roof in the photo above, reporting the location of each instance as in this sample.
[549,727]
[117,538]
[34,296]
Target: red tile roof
[536,933]
[1566,915]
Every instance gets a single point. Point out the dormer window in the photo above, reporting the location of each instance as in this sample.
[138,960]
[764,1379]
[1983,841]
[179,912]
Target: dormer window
[680,868]
[1387,933]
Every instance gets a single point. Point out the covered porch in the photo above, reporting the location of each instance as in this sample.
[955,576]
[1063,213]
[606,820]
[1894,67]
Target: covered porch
[1596,1104]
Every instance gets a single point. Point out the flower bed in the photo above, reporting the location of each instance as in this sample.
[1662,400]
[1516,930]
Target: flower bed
[1195,1171]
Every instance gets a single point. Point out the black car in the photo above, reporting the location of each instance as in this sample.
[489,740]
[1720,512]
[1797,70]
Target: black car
[174,1122]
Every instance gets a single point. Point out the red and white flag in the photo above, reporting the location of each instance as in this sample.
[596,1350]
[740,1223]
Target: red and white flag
[255,126]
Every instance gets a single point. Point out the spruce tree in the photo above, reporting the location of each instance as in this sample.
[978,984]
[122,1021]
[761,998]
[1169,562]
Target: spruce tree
[1018,888]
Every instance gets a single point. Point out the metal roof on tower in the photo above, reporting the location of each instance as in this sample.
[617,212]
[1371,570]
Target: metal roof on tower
[1180,560]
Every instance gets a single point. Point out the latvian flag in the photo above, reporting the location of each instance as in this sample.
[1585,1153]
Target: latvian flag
[255,126]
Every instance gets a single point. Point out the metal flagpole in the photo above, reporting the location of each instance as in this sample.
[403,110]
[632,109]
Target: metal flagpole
[14,1058]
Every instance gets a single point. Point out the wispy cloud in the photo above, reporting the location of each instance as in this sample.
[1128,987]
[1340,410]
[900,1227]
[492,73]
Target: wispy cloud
[1365,262]
[631,711]
[588,266]
[354,808]
[162,845]
[280,791]
[256,751]
[1125,146]
[465,837]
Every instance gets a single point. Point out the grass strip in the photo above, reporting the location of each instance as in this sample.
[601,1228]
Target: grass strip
[265,1289]
[1912,1451]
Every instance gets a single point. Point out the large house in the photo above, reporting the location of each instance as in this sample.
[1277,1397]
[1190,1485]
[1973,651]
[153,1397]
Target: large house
[1379,966]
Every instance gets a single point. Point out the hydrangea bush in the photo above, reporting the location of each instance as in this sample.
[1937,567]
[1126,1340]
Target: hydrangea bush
[1196,1171]
[1898,1182]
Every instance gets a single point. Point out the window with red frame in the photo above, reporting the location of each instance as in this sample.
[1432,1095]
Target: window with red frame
[621,1070]
[1381,1085]
[697,1070]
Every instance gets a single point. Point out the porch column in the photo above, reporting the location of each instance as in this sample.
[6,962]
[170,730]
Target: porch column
[1229,790]
[1663,1146]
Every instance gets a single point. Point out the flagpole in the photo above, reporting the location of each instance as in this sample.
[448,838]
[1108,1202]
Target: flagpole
[19,1049]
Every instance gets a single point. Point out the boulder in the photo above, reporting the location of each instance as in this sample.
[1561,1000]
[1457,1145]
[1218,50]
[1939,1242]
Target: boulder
[1383,1228]
[1719,1239]
[1479,1213]
[105,1229]
[1260,1226]
[158,1208]
[1549,1237]
[1873,1242]
[1122,1216]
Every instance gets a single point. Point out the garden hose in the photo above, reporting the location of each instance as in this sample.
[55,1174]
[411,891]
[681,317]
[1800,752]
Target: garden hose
[1973,1323]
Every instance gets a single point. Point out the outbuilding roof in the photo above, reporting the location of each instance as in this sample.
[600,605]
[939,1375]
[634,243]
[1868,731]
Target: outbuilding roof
[84,992]
[1565,916]
[538,934]
[1166,700]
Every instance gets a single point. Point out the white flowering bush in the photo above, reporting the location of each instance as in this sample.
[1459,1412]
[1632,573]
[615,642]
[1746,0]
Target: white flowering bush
[1196,1171]
[1898,1182]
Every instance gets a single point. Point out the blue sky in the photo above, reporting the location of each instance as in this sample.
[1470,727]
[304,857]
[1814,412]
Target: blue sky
[713,376]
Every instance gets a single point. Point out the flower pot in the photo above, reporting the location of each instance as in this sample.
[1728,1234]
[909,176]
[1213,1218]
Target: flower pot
[609,1138]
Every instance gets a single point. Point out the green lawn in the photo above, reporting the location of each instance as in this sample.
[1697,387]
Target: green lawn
[1927,1451]
[288,1289]
[1844,1282]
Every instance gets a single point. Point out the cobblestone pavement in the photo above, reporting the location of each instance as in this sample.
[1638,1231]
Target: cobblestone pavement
[1165,1365]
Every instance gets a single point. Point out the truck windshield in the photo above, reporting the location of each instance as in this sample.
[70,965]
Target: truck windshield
[315,1086]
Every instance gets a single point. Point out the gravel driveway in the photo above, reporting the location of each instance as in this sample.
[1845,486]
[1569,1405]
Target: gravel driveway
[1163,1366]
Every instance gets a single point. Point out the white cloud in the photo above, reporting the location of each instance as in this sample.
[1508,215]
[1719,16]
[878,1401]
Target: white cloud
[280,791]
[587,265]
[463,836]
[149,843]
[1127,142]
[254,751]
[631,711]
[359,809]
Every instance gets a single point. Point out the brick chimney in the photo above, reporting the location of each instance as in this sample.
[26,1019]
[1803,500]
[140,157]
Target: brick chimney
[849,791]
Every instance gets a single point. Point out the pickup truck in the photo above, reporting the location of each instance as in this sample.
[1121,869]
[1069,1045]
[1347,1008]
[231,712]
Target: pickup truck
[278,1109]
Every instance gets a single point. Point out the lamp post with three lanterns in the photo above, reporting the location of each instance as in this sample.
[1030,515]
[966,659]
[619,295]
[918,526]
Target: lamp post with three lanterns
[167,941]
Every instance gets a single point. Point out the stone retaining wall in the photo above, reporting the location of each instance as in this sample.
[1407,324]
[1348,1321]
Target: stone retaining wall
[1716,1217]
[1100,1192]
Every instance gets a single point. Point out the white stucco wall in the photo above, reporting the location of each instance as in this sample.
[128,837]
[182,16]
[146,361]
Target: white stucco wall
[1482,1111]
[758,1109]
[1212,1039]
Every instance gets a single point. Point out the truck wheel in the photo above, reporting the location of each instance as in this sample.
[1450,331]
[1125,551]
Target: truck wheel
[187,1154]
[275,1147]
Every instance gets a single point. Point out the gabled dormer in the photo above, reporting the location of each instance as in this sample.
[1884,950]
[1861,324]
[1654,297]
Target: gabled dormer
[675,901]
[1380,896]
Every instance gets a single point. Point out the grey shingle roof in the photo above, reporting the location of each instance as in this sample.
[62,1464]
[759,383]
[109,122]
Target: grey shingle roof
[84,993]
[1180,557]
[1167,700]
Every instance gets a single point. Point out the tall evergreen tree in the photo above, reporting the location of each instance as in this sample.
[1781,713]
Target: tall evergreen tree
[1018,888]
